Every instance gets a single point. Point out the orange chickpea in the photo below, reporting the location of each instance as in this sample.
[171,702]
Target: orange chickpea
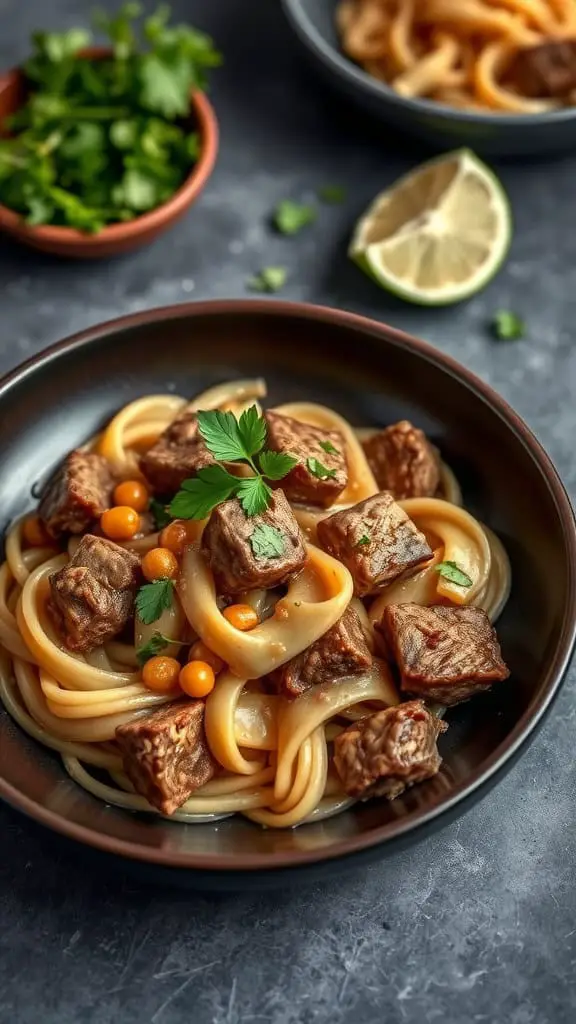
[120,522]
[197,679]
[159,564]
[132,493]
[241,616]
[35,533]
[160,674]
[174,537]
[200,652]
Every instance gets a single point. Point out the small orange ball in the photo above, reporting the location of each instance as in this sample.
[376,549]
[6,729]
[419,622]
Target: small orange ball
[241,616]
[35,533]
[120,522]
[197,679]
[200,652]
[159,564]
[174,537]
[160,674]
[132,493]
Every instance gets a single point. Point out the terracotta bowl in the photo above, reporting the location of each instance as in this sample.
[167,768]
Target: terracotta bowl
[373,375]
[118,238]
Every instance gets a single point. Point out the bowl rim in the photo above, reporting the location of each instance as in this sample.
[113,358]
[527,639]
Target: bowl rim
[202,109]
[297,15]
[504,754]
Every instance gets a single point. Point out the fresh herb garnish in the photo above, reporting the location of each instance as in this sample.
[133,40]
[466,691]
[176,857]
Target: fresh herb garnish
[267,541]
[270,279]
[318,470]
[154,598]
[232,440]
[159,513]
[291,217]
[508,326]
[364,539]
[332,194]
[328,447]
[100,141]
[452,572]
[157,642]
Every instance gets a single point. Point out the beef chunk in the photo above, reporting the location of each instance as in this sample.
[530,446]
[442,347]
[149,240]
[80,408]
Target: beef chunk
[93,596]
[546,70]
[342,651]
[78,493]
[403,461]
[321,475]
[246,553]
[166,755]
[376,541]
[177,455]
[384,754]
[445,654]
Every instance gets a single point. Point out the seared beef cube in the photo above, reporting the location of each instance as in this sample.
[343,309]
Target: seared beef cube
[403,461]
[77,494]
[93,596]
[444,654]
[385,754]
[546,70]
[376,541]
[177,455]
[248,552]
[166,755]
[321,474]
[342,651]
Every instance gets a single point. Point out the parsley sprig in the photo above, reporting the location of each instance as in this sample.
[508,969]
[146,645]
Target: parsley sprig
[232,440]
[154,598]
[157,643]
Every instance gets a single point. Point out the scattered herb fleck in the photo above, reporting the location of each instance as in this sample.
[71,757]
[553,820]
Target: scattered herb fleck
[318,470]
[328,447]
[290,217]
[332,194]
[159,513]
[269,279]
[452,572]
[154,598]
[508,326]
[267,541]
[364,539]
[157,642]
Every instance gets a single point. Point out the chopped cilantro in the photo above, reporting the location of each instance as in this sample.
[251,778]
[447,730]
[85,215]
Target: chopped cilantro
[267,541]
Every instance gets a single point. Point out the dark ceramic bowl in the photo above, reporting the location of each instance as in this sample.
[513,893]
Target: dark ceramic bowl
[115,239]
[437,125]
[61,397]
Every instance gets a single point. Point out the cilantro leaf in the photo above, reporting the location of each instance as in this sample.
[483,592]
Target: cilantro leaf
[221,433]
[276,465]
[291,217]
[364,539]
[452,572]
[318,470]
[328,447]
[156,643]
[332,194]
[508,326]
[254,495]
[270,279]
[154,598]
[267,541]
[199,495]
[252,430]
[160,513]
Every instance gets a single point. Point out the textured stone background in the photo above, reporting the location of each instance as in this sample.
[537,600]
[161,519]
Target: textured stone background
[476,924]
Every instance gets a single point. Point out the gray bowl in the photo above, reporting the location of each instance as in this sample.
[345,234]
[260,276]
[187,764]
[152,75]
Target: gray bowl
[433,123]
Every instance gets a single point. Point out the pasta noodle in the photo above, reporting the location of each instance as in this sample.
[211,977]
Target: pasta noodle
[457,52]
[274,754]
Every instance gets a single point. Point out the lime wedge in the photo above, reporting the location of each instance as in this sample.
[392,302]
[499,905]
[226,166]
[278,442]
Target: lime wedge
[439,234]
